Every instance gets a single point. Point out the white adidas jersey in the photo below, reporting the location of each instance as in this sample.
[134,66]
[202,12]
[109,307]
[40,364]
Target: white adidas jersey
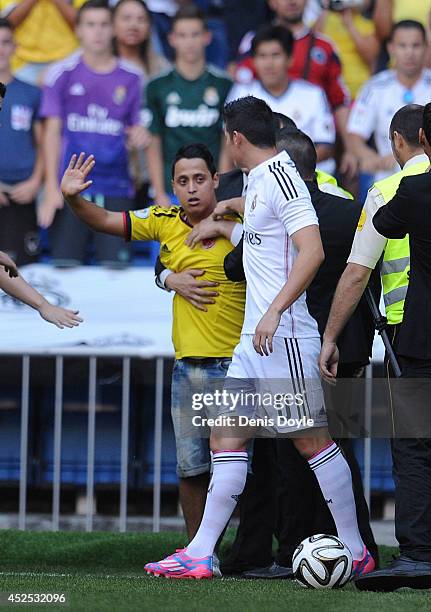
[303,102]
[378,101]
[277,205]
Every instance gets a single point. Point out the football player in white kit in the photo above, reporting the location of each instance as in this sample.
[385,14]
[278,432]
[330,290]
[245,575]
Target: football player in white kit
[279,340]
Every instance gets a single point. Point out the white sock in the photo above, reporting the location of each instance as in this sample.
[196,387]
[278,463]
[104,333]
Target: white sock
[335,480]
[227,483]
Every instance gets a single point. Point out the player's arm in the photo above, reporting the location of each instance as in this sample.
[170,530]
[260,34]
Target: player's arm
[361,125]
[8,264]
[383,18]
[21,290]
[210,228]
[186,284]
[154,155]
[367,45]
[225,207]
[154,151]
[323,128]
[74,182]
[309,259]
[67,11]
[19,12]
[52,200]
[324,151]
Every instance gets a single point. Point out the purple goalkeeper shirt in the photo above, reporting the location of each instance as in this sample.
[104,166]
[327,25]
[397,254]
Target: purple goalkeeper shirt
[95,109]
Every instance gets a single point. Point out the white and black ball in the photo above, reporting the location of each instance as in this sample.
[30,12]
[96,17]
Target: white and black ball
[322,562]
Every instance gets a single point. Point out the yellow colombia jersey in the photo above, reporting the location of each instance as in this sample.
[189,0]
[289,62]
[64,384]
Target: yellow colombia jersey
[195,333]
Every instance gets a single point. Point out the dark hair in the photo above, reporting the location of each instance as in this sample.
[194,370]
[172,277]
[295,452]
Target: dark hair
[301,149]
[273,32]
[196,150]
[92,4]
[145,44]
[407,121]
[253,118]
[6,24]
[189,11]
[408,24]
[426,122]
[282,121]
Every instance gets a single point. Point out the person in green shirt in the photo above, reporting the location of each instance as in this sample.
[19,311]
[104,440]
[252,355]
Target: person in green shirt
[185,102]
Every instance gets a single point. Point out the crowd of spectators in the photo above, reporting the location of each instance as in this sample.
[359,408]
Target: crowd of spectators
[131,82]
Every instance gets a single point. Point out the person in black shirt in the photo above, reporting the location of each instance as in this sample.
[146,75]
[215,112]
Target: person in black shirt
[409,213]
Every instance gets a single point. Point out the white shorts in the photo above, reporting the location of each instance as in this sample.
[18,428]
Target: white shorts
[292,371]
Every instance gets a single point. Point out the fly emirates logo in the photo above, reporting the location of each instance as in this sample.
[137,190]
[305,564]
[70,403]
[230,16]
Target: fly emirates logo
[95,122]
[203,116]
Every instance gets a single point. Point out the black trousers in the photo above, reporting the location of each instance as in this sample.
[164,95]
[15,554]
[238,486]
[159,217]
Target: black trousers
[412,475]
[283,498]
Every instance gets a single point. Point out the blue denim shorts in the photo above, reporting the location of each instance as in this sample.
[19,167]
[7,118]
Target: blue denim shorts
[192,376]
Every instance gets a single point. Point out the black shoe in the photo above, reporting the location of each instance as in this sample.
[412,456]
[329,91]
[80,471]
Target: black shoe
[401,572]
[270,572]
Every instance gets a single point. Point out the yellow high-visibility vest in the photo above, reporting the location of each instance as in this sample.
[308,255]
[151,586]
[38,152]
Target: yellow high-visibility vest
[396,258]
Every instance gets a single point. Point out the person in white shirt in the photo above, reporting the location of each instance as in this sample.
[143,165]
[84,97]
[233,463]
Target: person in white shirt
[279,339]
[385,93]
[306,104]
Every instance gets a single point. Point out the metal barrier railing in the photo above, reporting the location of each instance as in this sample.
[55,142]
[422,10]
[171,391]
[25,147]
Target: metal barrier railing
[93,355]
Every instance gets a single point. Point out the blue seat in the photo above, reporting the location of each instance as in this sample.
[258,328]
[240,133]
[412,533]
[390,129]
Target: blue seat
[10,425]
[381,464]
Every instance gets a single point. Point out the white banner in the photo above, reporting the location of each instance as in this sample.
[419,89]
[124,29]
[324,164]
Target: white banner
[122,310]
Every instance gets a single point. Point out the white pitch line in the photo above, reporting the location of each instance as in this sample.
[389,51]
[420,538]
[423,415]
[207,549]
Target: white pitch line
[56,575]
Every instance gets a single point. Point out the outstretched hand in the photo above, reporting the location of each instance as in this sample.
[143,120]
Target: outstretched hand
[74,180]
[8,264]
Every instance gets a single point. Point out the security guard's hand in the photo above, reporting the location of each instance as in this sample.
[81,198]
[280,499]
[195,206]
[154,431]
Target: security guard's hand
[328,361]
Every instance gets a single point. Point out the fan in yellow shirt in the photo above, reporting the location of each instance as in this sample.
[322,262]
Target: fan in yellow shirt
[44,33]
[204,340]
[356,42]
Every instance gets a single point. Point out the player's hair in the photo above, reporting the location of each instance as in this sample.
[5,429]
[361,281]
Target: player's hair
[272,33]
[408,24]
[426,122]
[253,118]
[90,5]
[282,121]
[189,11]
[6,24]
[301,149]
[196,150]
[407,121]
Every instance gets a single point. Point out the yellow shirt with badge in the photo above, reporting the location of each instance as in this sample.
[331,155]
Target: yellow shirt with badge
[44,35]
[195,333]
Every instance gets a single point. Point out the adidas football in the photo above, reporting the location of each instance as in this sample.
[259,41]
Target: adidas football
[322,562]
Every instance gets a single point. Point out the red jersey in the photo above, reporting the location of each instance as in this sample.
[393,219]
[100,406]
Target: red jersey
[314,60]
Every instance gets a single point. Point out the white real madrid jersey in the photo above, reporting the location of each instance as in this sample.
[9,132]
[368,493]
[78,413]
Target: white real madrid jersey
[378,101]
[277,205]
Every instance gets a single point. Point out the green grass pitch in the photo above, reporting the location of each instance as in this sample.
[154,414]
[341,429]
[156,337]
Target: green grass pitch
[104,572]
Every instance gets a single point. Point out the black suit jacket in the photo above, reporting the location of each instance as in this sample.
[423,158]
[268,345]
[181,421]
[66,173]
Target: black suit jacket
[409,212]
[338,219]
